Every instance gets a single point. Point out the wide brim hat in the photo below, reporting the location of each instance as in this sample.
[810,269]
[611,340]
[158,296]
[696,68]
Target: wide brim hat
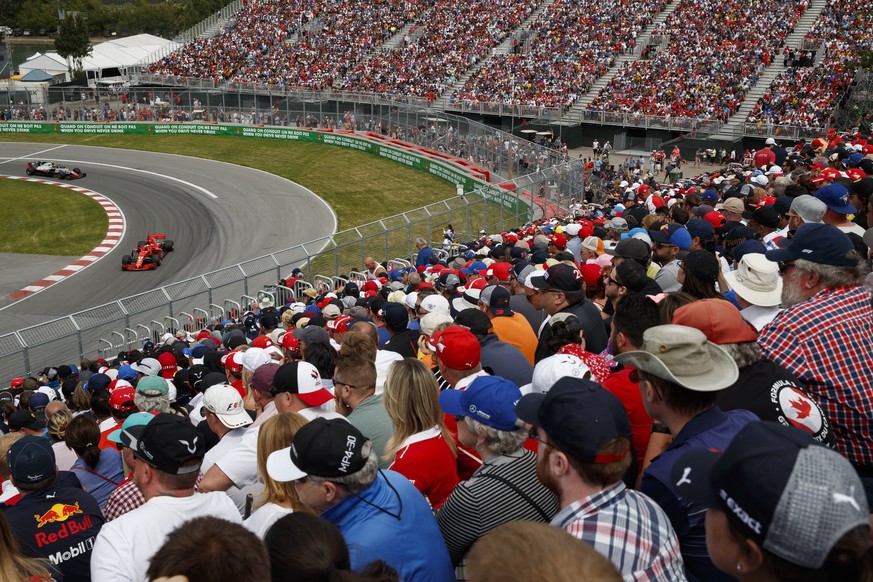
[750,282]
[682,355]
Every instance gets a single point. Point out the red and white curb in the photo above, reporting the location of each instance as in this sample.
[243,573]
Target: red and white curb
[113,236]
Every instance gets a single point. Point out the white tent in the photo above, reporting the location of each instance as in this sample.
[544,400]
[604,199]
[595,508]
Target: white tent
[117,54]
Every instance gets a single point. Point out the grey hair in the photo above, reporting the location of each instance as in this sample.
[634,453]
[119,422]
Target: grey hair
[744,354]
[499,442]
[359,480]
[421,241]
[833,276]
[145,403]
[779,184]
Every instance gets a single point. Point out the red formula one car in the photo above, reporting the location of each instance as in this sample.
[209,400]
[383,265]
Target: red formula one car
[53,170]
[148,253]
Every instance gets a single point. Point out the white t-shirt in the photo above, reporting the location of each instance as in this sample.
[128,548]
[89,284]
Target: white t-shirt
[125,545]
[227,444]
[64,456]
[384,359]
[264,517]
[856,228]
[241,464]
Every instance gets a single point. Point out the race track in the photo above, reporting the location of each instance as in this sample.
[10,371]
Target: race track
[217,213]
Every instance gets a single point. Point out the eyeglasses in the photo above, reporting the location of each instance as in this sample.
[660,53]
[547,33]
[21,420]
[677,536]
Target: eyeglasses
[534,434]
[609,280]
[785,267]
[340,383]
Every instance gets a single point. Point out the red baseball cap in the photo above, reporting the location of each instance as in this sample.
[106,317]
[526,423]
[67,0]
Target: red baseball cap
[714,218]
[289,342]
[168,365]
[340,324]
[500,270]
[121,399]
[456,347]
[233,361]
[262,341]
[559,240]
[826,175]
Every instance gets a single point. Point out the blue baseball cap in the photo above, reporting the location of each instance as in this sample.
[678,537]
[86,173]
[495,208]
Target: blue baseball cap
[710,195]
[672,234]
[700,228]
[488,399]
[31,459]
[123,435]
[853,159]
[98,381]
[818,243]
[836,197]
[125,372]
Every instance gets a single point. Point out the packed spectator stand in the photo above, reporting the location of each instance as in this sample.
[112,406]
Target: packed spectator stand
[703,340]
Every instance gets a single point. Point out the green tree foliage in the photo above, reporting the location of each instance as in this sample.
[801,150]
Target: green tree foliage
[37,14]
[73,42]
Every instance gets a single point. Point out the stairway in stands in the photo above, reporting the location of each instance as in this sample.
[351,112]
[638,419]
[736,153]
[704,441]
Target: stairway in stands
[734,126]
[503,48]
[574,115]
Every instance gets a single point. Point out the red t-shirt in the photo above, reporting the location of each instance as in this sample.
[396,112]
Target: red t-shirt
[628,392]
[427,461]
[105,443]
[763,157]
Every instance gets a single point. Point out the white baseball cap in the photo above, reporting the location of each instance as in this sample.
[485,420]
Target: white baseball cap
[147,366]
[224,401]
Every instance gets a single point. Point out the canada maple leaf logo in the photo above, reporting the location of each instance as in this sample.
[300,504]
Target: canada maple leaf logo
[803,408]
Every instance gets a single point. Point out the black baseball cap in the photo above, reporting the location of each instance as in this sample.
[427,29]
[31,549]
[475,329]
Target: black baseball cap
[580,417]
[25,419]
[630,248]
[322,448]
[169,443]
[560,277]
[31,459]
[496,298]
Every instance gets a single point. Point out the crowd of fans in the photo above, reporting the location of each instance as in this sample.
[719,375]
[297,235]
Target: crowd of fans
[676,381]
[572,45]
[805,96]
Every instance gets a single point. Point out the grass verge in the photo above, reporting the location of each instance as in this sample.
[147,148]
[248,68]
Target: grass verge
[47,220]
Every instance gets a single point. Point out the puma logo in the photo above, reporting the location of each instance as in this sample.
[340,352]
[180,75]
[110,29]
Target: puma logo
[684,478]
[850,498]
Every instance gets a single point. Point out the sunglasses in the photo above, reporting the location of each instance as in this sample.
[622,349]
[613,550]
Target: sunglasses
[785,267]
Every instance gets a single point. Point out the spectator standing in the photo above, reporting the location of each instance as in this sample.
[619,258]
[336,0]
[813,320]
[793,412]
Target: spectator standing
[505,487]
[827,308]
[168,455]
[425,253]
[380,513]
[680,374]
[584,450]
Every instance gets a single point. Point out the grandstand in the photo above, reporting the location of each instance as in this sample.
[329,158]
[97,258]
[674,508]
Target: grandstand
[646,63]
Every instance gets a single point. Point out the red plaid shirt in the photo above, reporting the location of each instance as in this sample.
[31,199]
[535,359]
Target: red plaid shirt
[125,498]
[827,342]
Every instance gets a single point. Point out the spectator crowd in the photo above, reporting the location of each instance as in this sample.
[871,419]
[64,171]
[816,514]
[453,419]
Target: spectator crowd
[670,385]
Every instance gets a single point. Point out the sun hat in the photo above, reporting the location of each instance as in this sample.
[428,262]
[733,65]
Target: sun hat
[756,280]
[682,355]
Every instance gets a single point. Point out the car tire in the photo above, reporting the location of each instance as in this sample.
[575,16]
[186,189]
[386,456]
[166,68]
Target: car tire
[168,246]
[29,171]
[77,171]
[156,259]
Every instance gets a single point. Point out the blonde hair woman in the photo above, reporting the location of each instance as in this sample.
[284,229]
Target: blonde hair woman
[14,565]
[278,499]
[422,449]
[57,428]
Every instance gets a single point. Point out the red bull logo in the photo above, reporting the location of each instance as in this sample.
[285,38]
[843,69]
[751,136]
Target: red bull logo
[57,513]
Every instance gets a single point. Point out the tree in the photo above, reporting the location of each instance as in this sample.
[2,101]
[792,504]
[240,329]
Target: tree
[73,42]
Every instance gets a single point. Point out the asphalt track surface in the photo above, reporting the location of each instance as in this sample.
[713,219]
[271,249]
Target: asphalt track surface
[218,214]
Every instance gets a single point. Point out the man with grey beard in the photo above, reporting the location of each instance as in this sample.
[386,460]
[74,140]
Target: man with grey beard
[824,336]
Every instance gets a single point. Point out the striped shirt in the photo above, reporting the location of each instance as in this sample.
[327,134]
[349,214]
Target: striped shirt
[628,528]
[480,504]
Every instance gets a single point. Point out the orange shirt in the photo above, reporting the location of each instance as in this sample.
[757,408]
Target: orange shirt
[516,330]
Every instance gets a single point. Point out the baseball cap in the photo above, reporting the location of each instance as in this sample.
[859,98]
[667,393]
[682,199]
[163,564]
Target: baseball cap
[168,365]
[580,417]
[31,459]
[262,341]
[302,379]
[765,216]
[456,347]
[123,435]
[262,379]
[718,319]
[496,299]
[818,243]
[233,361]
[126,372]
[121,399]
[770,141]
[500,270]
[734,205]
[331,311]
[756,280]
[714,218]
[630,248]
[340,324]
[312,334]
[476,320]
[826,175]
[560,277]
[487,399]
[618,224]
[700,228]
[169,443]
[38,401]
[551,369]
[593,243]
[682,355]
[225,402]
[836,197]
[559,240]
[433,303]
[254,358]
[448,281]
[323,448]
[147,366]
[151,385]
[702,264]
[395,316]
[573,229]
[672,234]
[97,382]
[25,419]
[791,495]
